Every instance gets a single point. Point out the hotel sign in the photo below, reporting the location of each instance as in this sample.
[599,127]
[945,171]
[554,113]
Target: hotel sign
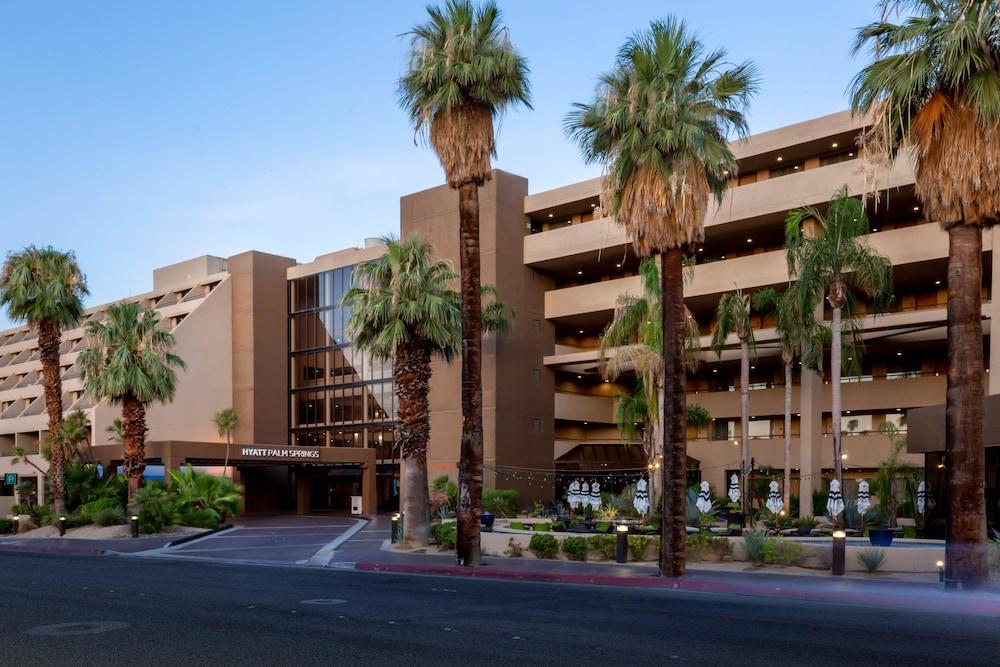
[269,453]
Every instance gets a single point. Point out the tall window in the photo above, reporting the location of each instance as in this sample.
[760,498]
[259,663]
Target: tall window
[338,396]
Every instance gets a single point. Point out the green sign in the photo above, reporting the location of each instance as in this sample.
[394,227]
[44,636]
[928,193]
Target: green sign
[10,478]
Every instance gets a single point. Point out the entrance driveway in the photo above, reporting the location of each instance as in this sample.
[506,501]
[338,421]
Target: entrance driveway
[284,540]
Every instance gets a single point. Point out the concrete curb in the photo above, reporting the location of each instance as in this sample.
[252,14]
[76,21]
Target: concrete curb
[197,536]
[920,595]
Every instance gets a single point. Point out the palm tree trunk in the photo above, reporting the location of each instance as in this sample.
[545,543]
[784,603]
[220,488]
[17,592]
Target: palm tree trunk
[672,418]
[134,442]
[788,435]
[470,469]
[835,343]
[412,370]
[745,420]
[48,346]
[225,465]
[965,463]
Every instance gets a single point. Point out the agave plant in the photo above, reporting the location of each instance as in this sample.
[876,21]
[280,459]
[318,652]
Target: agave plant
[872,559]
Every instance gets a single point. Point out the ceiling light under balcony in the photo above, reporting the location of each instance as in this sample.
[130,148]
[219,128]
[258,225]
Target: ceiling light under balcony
[749,240]
[780,158]
[579,273]
[850,155]
[552,215]
[916,208]
[833,145]
[701,250]
[937,282]
[899,354]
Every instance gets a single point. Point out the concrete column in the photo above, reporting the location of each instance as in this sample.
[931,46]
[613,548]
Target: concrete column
[369,492]
[993,312]
[810,439]
[301,492]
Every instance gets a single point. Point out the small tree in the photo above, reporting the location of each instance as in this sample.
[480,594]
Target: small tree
[226,421]
[733,317]
[72,439]
[892,470]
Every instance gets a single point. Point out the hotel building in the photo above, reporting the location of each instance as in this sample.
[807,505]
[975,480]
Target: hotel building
[266,335]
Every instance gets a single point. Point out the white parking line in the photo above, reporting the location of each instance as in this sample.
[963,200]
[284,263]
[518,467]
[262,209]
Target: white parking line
[323,557]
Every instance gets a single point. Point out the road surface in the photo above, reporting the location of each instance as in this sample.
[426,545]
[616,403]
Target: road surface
[93,610]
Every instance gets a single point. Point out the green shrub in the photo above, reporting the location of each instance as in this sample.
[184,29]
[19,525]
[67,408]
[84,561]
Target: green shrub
[517,525]
[762,549]
[94,506]
[42,515]
[21,508]
[871,559]
[779,551]
[637,546]
[602,526]
[109,517]
[443,484]
[542,527]
[199,495]
[75,520]
[501,502]
[155,507]
[755,542]
[544,546]
[702,546]
[910,532]
[575,548]
[446,535]
[198,517]
[602,545]
[6,525]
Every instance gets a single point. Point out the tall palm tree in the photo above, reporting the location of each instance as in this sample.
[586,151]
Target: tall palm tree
[128,362]
[633,341]
[659,124]
[835,260]
[732,316]
[404,308]
[800,337]
[463,74]
[226,420]
[45,288]
[934,85]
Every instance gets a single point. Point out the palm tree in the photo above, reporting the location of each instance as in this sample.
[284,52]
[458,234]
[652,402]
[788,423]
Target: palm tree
[71,438]
[45,288]
[226,421]
[128,362]
[934,85]
[405,308]
[834,260]
[800,337]
[732,316]
[463,74]
[659,124]
[633,341]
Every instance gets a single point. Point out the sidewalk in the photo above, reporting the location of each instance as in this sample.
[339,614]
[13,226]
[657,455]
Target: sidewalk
[66,545]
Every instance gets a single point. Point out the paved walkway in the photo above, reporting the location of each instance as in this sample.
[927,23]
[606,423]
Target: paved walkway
[272,540]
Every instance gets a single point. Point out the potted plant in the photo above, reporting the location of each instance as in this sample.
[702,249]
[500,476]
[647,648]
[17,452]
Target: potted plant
[487,519]
[879,533]
[805,524]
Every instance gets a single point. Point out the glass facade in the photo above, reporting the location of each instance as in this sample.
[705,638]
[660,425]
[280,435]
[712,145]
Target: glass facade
[339,397]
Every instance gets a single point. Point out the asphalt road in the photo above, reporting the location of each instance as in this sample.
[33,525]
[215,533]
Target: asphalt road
[141,611]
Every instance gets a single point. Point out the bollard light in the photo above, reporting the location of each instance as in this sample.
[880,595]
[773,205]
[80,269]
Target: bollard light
[839,552]
[621,545]
[135,525]
[396,520]
[17,524]
[62,526]
[940,567]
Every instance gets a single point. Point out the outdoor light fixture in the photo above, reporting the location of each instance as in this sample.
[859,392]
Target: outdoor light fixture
[839,552]
[940,567]
[552,215]
[850,155]
[874,229]
[62,526]
[593,206]
[17,524]
[780,158]
[723,257]
[581,332]
[833,145]
[579,273]
[916,208]
[701,250]
[899,354]
[937,282]
[135,525]
[618,266]
[621,545]
[749,240]
[843,457]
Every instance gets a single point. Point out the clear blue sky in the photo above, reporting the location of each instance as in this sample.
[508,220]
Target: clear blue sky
[140,134]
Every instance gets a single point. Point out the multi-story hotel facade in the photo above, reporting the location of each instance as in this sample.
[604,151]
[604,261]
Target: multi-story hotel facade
[267,336]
